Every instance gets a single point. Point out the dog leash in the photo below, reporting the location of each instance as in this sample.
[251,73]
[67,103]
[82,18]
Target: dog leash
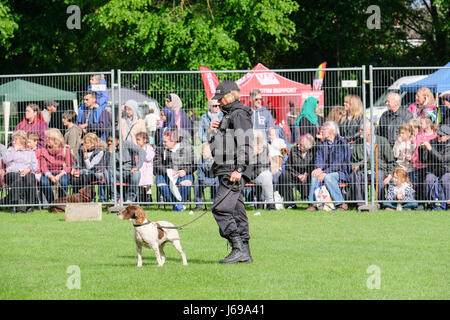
[210,209]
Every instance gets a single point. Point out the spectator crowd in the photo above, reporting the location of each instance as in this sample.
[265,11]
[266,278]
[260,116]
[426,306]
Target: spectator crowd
[164,155]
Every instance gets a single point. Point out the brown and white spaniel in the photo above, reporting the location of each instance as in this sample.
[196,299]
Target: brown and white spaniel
[151,234]
[85,194]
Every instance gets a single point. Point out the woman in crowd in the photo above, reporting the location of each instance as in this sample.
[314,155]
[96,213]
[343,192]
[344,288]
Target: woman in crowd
[20,166]
[33,122]
[56,162]
[425,104]
[350,123]
[309,122]
[131,122]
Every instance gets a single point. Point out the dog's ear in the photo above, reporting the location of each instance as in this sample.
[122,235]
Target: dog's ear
[140,215]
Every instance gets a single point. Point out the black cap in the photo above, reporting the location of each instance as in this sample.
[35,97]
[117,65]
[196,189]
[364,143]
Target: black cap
[225,87]
[444,130]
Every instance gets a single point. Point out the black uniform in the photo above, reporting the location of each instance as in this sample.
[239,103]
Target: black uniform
[232,148]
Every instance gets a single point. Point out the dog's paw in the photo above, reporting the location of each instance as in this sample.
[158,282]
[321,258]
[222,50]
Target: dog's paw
[139,265]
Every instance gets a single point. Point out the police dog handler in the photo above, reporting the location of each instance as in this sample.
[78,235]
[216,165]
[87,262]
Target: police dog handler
[231,143]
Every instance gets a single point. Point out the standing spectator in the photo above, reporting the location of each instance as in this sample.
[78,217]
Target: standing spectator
[33,122]
[446,113]
[392,118]
[262,119]
[213,113]
[299,167]
[174,168]
[292,119]
[97,83]
[56,162]
[49,114]
[91,165]
[73,134]
[427,133]
[404,148]
[20,166]
[436,153]
[332,165]
[401,190]
[386,163]
[94,118]
[350,123]
[336,113]
[146,181]
[133,158]
[167,120]
[309,122]
[182,120]
[194,125]
[131,122]
[425,104]
[151,122]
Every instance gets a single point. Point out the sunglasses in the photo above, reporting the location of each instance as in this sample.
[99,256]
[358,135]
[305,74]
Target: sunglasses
[258,99]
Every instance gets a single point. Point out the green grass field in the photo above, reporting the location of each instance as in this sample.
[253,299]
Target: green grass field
[298,255]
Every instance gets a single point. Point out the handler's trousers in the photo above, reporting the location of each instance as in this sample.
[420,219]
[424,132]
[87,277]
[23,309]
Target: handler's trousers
[230,212]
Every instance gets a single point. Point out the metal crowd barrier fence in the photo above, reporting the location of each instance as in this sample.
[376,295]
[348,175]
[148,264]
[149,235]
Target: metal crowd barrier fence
[150,89]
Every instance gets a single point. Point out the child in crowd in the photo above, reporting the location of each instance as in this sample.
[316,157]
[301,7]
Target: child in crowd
[415,126]
[32,144]
[152,122]
[146,180]
[402,190]
[73,134]
[404,148]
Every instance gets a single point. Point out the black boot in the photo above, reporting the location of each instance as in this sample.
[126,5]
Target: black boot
[246,249]
[237,253]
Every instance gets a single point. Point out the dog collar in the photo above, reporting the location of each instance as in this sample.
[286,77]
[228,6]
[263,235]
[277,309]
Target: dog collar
[140,225]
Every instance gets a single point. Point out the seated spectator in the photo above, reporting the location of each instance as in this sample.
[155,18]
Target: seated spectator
[332,165]
[425,104]
[32,142]
[97,84]
[20,165]
[386,163]
[392,118]
[213,113]
[278,151]
[174,167]
[152,121]
[131,122]
[292,116]
[94,118]
[436,153]
[262,169]
[133,157]
[299,166]
[73,134]
[56,165]
[309,122]
[181,118]
[404,148]
[146,181]
[350,123]
[91,165]
[33,122]
[402,190]
[427,133]
[205,177]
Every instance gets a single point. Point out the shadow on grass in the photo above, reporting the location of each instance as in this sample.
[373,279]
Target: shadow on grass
[152,258]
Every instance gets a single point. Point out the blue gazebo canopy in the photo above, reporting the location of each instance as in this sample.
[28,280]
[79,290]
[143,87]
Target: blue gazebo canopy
[437,82]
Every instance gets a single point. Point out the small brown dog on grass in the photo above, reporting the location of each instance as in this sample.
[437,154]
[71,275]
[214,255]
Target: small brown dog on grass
[85,194]
[152,235]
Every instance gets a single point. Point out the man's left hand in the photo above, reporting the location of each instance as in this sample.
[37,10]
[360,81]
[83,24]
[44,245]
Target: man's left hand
[235,176]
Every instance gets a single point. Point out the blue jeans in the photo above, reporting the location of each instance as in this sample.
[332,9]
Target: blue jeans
[331,181]
[46,186]
[405,205]
[162,183]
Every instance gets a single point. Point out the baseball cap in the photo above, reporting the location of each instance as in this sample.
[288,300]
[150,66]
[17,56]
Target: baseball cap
[444,130]
[223,88]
